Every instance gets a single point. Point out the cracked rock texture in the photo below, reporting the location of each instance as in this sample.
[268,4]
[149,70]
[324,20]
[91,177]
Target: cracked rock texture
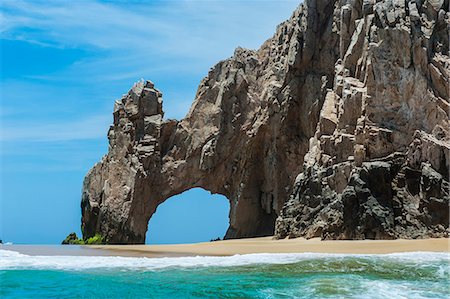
[378,164]
[353,95]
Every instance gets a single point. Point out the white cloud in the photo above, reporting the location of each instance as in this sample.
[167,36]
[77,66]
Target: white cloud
[126,41]
[92,127]
[176,35]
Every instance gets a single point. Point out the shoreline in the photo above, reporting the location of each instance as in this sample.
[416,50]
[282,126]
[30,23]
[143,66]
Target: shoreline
[270,245]
[240,246]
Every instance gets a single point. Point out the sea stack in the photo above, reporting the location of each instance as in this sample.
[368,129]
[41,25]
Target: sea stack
[337,127]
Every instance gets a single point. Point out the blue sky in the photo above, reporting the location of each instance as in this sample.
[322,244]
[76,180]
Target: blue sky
[63,63]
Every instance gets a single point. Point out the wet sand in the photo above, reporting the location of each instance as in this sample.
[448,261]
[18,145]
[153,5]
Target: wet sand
[269,245]
[239,246]
[85,250]
[53,250]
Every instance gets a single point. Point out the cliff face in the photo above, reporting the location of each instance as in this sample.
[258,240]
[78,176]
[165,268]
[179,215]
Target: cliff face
[354,96]
[378,164]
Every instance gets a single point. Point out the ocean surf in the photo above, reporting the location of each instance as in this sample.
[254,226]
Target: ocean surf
[303,275]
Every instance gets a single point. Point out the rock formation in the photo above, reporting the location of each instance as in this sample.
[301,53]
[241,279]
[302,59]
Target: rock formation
[352,95]
[378,164]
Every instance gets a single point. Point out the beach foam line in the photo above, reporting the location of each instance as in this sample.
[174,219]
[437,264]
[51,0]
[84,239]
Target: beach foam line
[10,260]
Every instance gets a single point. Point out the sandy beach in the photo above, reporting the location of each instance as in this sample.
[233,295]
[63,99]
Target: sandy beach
[269,245]
[239,246]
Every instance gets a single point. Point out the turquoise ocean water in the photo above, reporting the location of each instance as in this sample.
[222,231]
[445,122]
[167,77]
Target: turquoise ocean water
[406,275]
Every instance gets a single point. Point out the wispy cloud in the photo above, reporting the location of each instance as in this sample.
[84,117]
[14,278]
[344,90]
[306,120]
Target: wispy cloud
[177,34]
[88,22]
[173,43]
[83,129]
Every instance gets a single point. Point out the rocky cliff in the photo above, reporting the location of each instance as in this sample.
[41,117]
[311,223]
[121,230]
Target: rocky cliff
[378,164]
[352,95]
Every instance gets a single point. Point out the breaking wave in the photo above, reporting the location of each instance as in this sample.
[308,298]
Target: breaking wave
[10,260]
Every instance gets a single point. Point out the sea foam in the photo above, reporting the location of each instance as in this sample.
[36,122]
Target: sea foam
[10,260]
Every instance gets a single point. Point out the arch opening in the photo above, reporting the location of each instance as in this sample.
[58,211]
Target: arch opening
[192,216]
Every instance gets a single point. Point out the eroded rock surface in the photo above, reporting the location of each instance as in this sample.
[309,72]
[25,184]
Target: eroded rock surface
[378,164]
[352,95]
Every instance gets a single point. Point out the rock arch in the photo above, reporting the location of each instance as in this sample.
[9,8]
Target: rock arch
[244,137]
[151,160]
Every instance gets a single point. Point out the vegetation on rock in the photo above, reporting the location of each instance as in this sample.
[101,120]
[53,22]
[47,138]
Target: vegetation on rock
[72,239]
[95,240]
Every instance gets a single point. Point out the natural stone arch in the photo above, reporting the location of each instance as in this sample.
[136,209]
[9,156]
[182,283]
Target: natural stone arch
[151,160]
[244,137]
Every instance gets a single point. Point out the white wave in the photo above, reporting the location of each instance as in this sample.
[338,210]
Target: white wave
[13,260]
[400,289]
